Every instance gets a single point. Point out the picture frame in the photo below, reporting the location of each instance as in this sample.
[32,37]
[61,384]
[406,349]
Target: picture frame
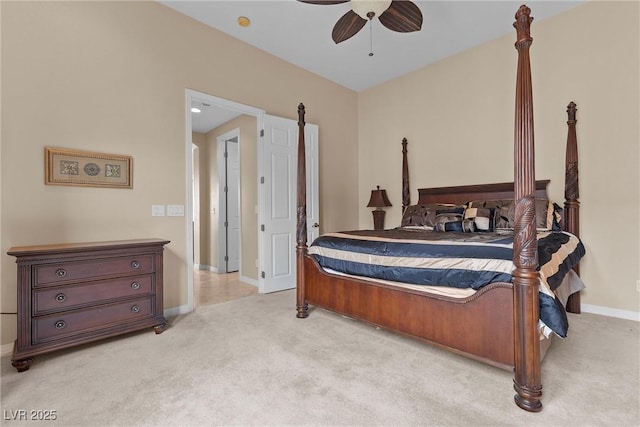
[87,169]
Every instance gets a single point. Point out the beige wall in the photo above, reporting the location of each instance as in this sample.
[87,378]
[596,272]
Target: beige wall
[200,199]
[458,118]
[111,77]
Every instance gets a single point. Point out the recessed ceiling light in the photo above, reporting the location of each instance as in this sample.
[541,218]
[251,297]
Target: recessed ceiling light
[195,110]
[243,21]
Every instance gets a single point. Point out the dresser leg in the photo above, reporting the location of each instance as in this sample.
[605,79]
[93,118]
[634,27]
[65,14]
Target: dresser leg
[22,364]
[158,329]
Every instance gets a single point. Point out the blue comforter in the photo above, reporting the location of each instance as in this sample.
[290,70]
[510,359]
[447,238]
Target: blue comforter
[461,260]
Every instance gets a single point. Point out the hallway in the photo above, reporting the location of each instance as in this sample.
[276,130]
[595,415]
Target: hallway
[213,288]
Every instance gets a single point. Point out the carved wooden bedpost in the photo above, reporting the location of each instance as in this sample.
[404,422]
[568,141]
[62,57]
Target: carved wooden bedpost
[301,225]
[525,247]
[571,193]
[406,194]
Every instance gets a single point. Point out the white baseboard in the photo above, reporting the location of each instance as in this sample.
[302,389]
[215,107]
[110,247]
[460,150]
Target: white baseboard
[611,312]
[249,281]
[206,267]
[175,311]
[243,279]
[6,348]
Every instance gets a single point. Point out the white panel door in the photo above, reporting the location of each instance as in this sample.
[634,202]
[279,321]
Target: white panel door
[278,214]
[233,206]
[313,199]
[229,223]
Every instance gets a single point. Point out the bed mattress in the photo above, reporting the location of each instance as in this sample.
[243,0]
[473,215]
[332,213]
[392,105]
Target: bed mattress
[459,260]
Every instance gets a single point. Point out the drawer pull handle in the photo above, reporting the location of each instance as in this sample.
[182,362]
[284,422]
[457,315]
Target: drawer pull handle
[135,285]
[135,265]
[60,324]
[61,272]
[61,297]
[135,309]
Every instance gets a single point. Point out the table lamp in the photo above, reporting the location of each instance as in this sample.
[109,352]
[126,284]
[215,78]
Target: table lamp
[378,201]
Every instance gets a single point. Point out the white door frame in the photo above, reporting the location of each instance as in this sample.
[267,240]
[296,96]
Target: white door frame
[190,95]
[222,241]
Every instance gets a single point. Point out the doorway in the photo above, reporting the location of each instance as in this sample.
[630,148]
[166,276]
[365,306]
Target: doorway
[274,197]
[220,111]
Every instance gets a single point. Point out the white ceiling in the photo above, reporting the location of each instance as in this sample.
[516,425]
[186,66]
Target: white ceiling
[300,33]
[210,116]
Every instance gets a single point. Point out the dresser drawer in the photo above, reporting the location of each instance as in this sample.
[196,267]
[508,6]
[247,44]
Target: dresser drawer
[66,297]
[95,268]
[56,326]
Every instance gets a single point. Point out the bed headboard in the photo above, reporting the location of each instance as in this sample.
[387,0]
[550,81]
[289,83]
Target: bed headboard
[465,193]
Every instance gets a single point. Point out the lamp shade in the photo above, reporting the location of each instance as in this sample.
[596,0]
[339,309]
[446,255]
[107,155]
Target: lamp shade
[379,199]
[363,7]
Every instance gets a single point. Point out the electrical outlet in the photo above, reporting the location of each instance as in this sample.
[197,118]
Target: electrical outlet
[638,285]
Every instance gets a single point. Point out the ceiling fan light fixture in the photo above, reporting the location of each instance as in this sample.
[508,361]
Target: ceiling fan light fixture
[401,16]
[364,7]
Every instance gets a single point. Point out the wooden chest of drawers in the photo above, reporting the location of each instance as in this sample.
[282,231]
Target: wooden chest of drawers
[70,294]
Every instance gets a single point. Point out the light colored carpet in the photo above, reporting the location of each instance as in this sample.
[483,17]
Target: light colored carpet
[251,362]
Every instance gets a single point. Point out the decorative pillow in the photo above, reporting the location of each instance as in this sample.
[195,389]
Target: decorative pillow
[557,217]
[548,214]
[425,215]
[483,219]
[469,226]
[448,222]
[451,210]
[545,214]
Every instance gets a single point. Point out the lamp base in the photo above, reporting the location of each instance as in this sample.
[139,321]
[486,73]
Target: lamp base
[378,219]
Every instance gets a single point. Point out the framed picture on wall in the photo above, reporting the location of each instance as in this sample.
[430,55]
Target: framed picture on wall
[85,168]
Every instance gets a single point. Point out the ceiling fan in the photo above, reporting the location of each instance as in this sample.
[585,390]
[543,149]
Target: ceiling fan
[402,16]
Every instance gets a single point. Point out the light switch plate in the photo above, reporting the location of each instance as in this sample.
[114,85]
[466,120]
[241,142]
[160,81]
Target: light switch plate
[175,210]
[157,210]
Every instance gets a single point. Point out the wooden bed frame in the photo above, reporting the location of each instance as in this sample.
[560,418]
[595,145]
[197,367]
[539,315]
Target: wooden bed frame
[499,323]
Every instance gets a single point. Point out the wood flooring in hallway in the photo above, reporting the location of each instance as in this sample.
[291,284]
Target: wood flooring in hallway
[213,288]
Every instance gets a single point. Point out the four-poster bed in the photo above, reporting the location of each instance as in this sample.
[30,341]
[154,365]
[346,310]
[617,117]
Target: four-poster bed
[498,323]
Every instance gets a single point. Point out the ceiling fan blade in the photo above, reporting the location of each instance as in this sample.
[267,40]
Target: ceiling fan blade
[347,26]
[402,16]
[323,1]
